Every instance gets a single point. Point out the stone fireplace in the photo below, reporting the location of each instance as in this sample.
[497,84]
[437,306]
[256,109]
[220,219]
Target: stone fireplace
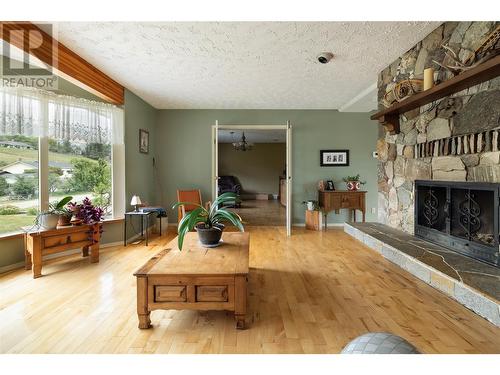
[439,176]
[456,138]
[463,216]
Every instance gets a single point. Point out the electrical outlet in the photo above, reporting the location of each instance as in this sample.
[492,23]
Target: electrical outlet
[374,210]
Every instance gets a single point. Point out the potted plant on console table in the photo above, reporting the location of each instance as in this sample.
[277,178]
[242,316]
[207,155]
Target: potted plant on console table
[353,183]
[208,222]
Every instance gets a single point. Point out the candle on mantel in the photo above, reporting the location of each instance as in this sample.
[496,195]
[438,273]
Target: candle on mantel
[428,78]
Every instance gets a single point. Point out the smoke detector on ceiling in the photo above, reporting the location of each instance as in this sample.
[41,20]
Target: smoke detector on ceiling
[325,57]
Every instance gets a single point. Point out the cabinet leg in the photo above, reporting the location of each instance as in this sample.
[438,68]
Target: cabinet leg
[94,253]
[85,251]
[143,312]
[37,263]
[240,301]
[354,215]
[27,260]
[240,321]
[144,321]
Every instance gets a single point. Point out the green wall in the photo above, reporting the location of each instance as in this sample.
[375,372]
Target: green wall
[183,144]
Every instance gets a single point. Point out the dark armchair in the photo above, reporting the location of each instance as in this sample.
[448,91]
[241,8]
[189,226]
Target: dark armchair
[229,184]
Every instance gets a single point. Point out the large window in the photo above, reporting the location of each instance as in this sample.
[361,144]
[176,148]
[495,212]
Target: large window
[52,146]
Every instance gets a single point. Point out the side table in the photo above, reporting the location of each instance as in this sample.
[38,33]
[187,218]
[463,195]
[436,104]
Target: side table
[45,242]
[145,216]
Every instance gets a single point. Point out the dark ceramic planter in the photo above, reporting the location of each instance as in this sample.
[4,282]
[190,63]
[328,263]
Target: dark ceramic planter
[209,237]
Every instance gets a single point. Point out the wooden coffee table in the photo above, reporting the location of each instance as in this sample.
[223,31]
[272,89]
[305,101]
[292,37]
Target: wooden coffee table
[195,278]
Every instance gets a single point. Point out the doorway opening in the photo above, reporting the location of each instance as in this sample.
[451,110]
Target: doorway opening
[252,164]
[254,161]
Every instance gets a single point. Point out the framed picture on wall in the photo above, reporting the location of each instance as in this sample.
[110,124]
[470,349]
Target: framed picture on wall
[143,141]
[334,158]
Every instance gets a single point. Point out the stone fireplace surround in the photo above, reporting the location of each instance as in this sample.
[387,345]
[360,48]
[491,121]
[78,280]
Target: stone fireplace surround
[455,138]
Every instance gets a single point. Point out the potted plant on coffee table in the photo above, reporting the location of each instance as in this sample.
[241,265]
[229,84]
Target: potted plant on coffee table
[208,222]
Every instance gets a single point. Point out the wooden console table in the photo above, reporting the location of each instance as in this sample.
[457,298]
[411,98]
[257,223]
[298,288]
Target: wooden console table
[40,243]
[196,278]
[335,200]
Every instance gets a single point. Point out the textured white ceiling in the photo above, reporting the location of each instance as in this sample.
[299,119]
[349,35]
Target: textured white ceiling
[246,65]
[253,136]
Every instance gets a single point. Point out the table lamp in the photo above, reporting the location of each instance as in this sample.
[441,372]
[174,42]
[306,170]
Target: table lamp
[136,201]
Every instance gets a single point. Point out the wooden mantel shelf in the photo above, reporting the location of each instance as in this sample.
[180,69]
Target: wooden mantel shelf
[389,117]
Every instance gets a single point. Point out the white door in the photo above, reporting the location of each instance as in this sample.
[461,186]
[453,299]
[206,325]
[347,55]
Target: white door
[288,178]
[215,160]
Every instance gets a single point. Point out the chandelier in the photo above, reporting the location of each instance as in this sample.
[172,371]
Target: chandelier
[242,145]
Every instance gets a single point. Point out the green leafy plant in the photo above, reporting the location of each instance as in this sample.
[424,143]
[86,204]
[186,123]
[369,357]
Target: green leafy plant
[59,207]
[212,217]
[315,204]
[354,178]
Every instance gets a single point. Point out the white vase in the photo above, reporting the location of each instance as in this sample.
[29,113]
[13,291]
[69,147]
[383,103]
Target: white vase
[310,206]
[48,221]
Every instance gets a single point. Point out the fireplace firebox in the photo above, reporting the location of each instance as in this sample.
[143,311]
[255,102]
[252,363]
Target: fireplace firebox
[462,216]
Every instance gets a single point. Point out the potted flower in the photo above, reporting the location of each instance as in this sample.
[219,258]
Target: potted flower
[85,212]
[353,182]
[208,222]
[49,219]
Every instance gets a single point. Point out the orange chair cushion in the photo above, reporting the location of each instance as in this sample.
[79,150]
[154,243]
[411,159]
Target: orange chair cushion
[189,196]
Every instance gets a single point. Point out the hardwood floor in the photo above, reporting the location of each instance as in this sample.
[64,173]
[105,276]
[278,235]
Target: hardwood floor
[262,212]
[311,293]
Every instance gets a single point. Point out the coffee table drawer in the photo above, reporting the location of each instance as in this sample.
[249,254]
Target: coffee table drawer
[170,293]
[211,293]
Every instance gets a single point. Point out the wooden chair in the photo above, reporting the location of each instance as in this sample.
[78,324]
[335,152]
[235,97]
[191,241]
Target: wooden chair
[193,196]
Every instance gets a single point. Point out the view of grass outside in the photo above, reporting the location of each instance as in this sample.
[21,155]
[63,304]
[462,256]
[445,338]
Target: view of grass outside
[79,170]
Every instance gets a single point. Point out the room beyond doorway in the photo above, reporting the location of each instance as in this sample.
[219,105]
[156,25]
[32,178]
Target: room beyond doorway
[252,163]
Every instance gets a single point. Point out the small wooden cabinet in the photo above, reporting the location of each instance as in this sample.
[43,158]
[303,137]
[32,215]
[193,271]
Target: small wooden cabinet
[336,200]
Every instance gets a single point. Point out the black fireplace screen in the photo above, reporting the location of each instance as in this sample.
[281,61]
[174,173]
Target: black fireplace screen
[463,216]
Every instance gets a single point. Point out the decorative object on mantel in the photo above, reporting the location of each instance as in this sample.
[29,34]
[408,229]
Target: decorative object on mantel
[397,92]
[208,222]
[353,183]
[242,145]
[143,141]
[484,52]
[389,117]
[136,202]
[334,158]
[428,78]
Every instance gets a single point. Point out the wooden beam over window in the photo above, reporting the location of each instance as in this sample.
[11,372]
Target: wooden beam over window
[31,39]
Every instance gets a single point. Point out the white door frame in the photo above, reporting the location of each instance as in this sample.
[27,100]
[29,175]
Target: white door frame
[215,160]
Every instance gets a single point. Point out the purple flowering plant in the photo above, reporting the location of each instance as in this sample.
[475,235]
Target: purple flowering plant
[86,211]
